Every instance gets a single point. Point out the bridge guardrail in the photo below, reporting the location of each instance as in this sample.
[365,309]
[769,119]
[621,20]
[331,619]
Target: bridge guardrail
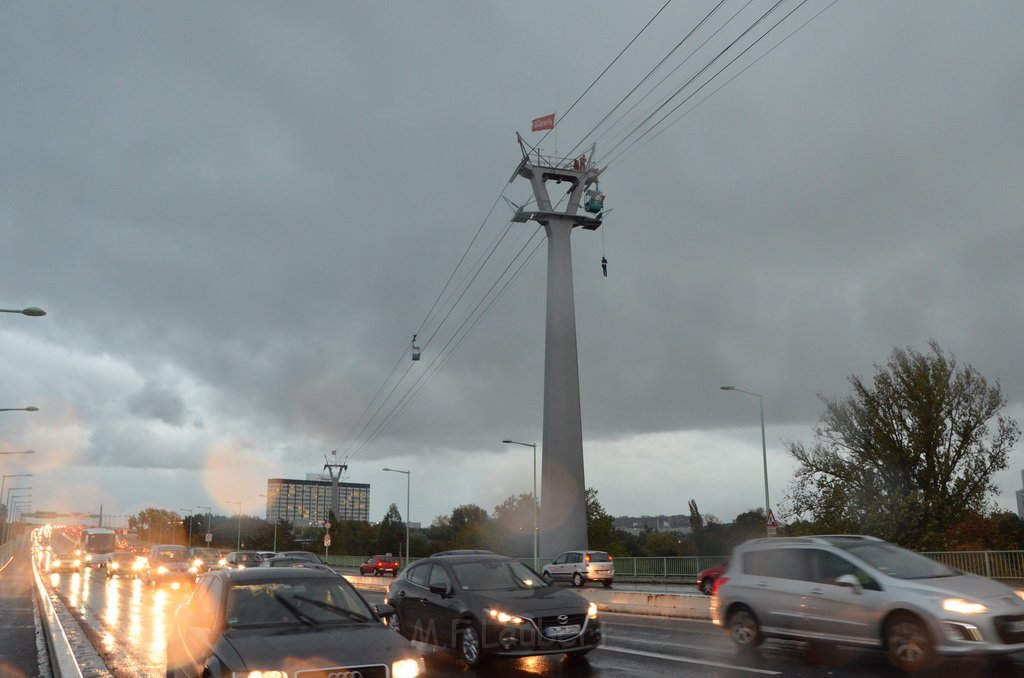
[1003,565]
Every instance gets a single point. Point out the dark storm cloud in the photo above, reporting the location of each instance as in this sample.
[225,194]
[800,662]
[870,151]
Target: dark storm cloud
[238,214]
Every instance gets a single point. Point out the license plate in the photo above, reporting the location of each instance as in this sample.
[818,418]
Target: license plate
[561,631]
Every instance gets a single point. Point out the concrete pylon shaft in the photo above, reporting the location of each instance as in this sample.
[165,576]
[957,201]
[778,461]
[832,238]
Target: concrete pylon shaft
[563,523]
[563,506]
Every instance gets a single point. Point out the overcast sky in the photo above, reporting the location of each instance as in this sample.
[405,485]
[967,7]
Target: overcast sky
[236,215]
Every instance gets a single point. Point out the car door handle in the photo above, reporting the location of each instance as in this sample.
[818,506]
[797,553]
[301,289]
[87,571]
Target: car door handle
[816,592]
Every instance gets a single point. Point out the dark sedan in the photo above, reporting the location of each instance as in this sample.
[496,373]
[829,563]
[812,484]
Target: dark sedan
[284,621]
[489,605]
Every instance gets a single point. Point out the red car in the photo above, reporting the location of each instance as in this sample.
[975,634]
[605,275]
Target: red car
[378,565]
[706,577]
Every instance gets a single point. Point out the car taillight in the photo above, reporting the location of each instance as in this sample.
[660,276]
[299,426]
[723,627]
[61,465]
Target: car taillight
[586,558]
[718,583]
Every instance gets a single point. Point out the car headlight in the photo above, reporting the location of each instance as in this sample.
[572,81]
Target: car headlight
[961,606]
[1020,594]
[504,617]
[197,562]
[113,566]
[407,668]
[592,611]
[161,570]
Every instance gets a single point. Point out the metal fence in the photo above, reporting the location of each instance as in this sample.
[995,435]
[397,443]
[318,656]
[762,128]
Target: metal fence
[994,564]
[1007,565]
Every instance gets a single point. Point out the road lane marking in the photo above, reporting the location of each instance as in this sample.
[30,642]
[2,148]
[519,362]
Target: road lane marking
[688,660]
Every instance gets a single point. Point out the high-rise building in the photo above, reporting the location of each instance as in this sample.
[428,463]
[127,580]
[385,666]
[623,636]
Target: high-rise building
[307,502]
[1020,498]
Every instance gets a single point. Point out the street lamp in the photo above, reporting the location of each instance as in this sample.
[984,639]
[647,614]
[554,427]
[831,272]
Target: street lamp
[31,310]
[408,487]
[3,481]
[209,524]
[20,452]
[190,512]
[764,448]
[536,504]
[7,504]
[238,544]
[30,408]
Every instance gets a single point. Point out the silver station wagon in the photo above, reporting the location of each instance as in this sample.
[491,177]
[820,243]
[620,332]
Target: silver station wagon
[862,591]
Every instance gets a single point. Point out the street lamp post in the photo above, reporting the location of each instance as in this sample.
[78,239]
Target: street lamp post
[190,512]
[238,543]
[209,524]
[536,504]
[7,504]
[408,487]
[30,408]
[764,448]
[3,481]
[20,452]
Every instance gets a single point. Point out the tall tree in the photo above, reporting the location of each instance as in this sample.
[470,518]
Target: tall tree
[907,454]
[600,525]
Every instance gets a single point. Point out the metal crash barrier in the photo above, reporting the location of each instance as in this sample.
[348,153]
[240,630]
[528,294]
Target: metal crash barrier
[62,658]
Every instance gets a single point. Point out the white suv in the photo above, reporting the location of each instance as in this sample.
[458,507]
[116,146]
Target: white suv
[854,590]
[581,566]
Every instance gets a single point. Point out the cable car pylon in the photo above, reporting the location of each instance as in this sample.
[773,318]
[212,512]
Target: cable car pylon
[563,520]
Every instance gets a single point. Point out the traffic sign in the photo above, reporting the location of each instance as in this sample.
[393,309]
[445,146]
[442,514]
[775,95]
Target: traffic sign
[771,519]
[327,540]
[209,537]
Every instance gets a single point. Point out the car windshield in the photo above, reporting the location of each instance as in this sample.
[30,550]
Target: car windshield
[311,603]
[496,575]
[171,555]
[899,562]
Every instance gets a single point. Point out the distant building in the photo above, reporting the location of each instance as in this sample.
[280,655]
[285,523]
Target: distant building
[307,502]
[678,525]
[1020,499]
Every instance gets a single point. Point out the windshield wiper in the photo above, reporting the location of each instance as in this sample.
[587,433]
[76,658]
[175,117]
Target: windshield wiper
[299,614]
[333,608]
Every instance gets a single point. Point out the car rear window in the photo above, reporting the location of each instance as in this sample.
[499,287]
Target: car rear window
[599,557]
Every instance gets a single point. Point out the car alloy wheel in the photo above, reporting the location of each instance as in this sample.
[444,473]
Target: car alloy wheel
[744,629]
[910,647]
[470,647]
[577,579]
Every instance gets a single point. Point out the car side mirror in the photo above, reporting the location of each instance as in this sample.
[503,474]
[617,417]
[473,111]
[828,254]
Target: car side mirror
[439,589]
[851,582]
[385,611]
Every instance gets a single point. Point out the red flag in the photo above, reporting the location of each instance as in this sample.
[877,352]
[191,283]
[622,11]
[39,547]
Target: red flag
[544,122]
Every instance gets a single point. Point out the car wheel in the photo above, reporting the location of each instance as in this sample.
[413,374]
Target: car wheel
[744,628]
[607,583]
[707,586]
[546,576]
[577,579]
[908,643]
[469,645]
